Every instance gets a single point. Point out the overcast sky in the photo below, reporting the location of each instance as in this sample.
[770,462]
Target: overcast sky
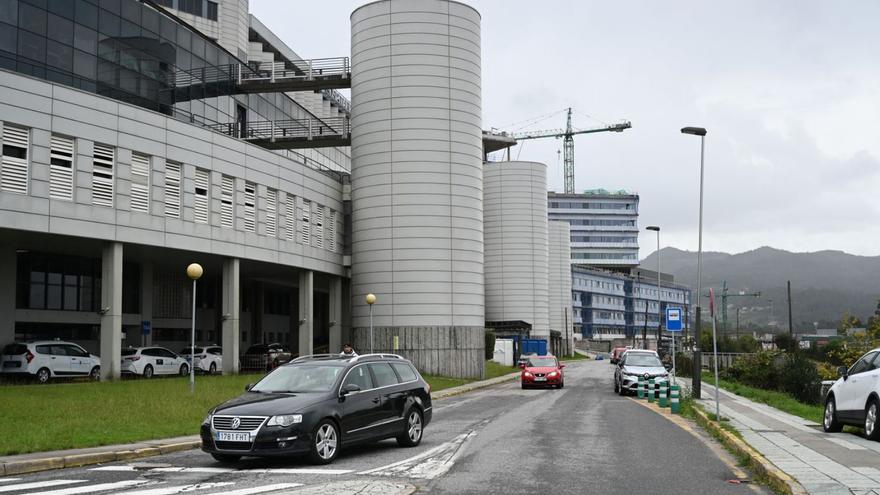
[789,91]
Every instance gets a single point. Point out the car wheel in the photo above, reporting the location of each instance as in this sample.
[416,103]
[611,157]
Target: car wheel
[184,369]
[43,375]
[226,458]
[872,428]
[148,371]
[412,434]
[325,443]
[561,384]
[95,374]
[616,387]
[212,369]
[622,390]
[829,420]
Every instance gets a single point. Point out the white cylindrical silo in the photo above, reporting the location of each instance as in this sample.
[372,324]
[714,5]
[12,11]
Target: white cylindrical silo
[515,230]
[416,182]
[559,249]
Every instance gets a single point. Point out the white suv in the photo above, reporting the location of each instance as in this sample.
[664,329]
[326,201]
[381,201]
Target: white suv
[150,361]
[209,359]
[47,359]
[854,399]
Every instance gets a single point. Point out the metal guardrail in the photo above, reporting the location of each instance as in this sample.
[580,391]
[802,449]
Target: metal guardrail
[274,130]
[303,69]
[725,359]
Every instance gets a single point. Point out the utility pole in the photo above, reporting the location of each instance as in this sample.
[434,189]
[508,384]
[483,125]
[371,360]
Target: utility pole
[790,328]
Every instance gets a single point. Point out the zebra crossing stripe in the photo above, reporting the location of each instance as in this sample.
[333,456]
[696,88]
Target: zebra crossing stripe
[7,480]
[94,488]
[262,489]
[173,490]
[38,484]
[214,470]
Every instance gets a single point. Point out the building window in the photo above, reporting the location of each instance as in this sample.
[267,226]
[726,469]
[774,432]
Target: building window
[227,210]
[172,189]
[140,183]
[318,222]
[61,168]
[290,217]
[193,7]
[305,220]
[212,10]
[14,168]
[102,175]
[330,232]
[200,204]
[165,3]
[250,205]
[271,212]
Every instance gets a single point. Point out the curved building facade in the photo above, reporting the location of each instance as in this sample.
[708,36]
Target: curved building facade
[417,182]
[515,229]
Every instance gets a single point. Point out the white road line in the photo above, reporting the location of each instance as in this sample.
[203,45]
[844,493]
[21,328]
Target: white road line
[262,489]
[192,470]
[38,484]
[113,468]
[6,480]
[296,471]
[173,490]
[428,465]
[213,470]
[95,488]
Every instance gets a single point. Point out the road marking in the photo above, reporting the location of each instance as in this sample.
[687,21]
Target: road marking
[209,470]
[213,470]
[94,488]
[6,480]
[296,471]
[38,484]
[262,489]
[173,490]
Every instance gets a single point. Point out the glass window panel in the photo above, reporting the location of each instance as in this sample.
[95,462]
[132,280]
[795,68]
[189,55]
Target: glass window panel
[86,14]
[109,51]
[85,39]
[31,46]
[131,11]
[128,60]
[9,11]
[84,64]
[130,29]
[53,297]
[168,29]
[70,298]
[111,5]
[32,19]
[108,24]
[8,38]
[37,296]
[61,29]
[59,56]
[184,38]
[64,9]
[150,20]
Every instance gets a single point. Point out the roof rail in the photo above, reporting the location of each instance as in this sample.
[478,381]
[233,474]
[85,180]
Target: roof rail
[374,356]
[315,356]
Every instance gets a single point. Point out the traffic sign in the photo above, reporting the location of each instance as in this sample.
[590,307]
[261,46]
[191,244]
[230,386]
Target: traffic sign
[673,319]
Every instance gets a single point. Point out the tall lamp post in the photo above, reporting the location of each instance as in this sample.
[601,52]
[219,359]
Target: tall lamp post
[371,299]
[194,271]
[656,229]
[698,131]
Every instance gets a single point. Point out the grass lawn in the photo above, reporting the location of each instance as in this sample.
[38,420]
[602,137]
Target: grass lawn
[575,357]
[779,400]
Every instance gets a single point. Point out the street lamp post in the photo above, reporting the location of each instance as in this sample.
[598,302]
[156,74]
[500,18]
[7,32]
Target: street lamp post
[698,131]
[371,298]
[194,271]
[659,317]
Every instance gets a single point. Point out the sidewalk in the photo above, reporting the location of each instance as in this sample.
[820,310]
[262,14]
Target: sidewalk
[823,463]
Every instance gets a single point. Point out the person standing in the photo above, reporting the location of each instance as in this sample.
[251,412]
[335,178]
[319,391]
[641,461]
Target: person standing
[348,351]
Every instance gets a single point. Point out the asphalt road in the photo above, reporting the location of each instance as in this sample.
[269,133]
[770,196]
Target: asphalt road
[580,439]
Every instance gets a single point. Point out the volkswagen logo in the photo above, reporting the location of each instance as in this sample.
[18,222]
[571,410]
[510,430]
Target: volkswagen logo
[236,422]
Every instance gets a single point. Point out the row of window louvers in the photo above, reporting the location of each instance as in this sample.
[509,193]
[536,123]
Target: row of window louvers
[317,224]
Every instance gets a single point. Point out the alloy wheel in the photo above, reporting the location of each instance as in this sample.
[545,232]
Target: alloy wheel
[829,414]
[414,429]
[43,375]
[871,419]
[325,441]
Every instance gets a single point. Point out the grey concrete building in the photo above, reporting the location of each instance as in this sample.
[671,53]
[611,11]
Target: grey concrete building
[560,308]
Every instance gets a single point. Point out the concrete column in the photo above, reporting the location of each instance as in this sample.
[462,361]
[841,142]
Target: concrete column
[8,262]
[111,310]
[306,312]
[335,314]
[146,302]
[230,315]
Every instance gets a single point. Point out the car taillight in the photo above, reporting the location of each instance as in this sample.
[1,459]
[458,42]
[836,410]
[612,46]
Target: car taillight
[134,358]
[29,357]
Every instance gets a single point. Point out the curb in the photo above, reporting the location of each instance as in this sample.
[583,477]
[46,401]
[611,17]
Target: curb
[469,387]
[79,460]
[776,478]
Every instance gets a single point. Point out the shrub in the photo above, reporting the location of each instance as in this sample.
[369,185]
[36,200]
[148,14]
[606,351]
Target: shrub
[758,370]
[800,378]
[684,364]
[490,345]
[785,342]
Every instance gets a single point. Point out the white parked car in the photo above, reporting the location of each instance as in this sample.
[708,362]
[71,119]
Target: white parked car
[150,361]
[48,359]
[209,359]
[854,399]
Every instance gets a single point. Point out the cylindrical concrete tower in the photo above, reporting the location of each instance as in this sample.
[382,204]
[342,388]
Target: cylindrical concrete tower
[417,182]
[515,227]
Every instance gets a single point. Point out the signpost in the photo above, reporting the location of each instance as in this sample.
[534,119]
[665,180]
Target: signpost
[673,326]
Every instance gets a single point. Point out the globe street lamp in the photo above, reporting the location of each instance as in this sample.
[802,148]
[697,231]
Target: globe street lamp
[371,299]
[698,131]
[194,271]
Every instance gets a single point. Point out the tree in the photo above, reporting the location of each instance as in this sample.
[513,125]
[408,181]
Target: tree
[785,342]
[847,322]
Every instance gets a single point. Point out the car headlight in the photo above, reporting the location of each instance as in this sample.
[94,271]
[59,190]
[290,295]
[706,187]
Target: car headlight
[207,419]
[285,420]
[627,373]
[527,373]
[552,374]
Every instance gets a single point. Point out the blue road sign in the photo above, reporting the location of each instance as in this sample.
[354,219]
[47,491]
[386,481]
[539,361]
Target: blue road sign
[673,319]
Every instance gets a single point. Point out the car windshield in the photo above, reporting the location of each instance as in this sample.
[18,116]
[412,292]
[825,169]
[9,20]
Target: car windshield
[643,360]
[542,362]
[294,379]
[186,350]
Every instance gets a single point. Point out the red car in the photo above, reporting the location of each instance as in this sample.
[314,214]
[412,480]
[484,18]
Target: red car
[542,371]
[617,353]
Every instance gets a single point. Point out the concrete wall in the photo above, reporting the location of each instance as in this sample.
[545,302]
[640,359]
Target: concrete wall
[47,108]
[417,171]
[559,249]
[515,230]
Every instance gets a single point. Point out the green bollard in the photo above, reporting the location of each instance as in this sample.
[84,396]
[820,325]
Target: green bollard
[664,399]
[674,393]
[651,390]
[641,390]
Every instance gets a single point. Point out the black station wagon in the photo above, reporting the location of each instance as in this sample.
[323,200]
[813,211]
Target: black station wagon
[316,405]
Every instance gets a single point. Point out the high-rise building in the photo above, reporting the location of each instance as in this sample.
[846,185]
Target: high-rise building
[604,227]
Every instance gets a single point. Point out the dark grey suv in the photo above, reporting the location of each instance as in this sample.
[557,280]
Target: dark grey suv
[317,405]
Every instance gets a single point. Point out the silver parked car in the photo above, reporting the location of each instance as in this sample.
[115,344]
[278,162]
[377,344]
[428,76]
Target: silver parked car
[637,363]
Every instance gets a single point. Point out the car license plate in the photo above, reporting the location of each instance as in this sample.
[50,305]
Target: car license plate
[540,378]
[225,436]
[12,364]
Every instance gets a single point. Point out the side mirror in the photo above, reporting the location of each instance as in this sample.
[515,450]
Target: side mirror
[667,366]
[522,365]
[843,372]
[349,388]
[561,366]
[248,387]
